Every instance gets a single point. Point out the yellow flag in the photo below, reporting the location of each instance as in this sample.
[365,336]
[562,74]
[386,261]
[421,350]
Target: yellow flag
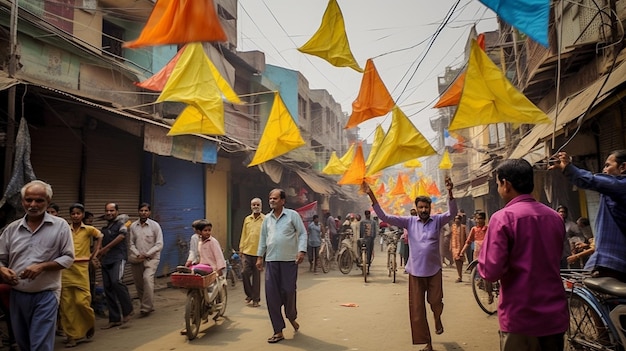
[422,190]
[192,121]
[414,191]
[379,135]
[403,142]
[374,99]
[488,97]
[446,162]
[192,83]
[330,42]
[356,171]
[334,165]
[347,158]
[412,164]
[280,135]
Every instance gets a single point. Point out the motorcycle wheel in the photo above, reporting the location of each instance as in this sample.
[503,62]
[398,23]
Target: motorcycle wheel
[192,313]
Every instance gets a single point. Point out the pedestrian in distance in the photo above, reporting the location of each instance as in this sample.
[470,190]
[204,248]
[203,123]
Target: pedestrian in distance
[458,236]
[248,246]
[331,230]
[523,246]
[314,242]
[146,243]
[368,231]
[193,257]
[113,257]
[33,251]
[77,316]
[424,265]
[283,243]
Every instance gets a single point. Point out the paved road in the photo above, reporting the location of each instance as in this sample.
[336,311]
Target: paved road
[380,322]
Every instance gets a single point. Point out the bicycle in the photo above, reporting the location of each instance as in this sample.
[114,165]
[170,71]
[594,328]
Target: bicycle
[325,254]
[485,292]
[391,238]
[233,268]
[597,308]
[347,257]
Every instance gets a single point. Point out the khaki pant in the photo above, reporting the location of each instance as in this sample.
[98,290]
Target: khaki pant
[143,276]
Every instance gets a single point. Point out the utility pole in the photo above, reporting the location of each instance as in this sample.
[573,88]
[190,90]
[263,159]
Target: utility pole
[10,136]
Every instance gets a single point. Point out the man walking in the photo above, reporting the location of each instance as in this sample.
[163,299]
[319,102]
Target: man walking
[248,246]
[331,231]
[424,263]
[146,243]
[113,257]
[33,250]
[283,242]
[368,231]
[523,246]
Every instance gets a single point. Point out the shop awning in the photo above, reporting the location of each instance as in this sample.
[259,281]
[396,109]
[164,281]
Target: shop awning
[572,107]
[316,183]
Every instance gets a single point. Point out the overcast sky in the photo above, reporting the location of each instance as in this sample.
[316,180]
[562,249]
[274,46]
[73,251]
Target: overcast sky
[395,33]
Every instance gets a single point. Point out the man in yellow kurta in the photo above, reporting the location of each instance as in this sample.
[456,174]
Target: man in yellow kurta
[248,245]
[77,316]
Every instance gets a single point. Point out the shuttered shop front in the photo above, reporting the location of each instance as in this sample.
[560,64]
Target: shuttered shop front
[178,201]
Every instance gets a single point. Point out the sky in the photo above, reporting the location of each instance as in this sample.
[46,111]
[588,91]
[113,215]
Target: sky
[396,34]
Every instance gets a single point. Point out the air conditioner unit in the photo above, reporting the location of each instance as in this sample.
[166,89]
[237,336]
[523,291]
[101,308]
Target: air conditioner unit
[90,5]
[584,22]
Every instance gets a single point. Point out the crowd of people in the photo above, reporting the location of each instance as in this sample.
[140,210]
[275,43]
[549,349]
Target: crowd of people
[47,264]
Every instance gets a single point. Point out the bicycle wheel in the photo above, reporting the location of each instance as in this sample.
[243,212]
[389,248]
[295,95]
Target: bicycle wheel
[220,301]
[587,330]
[345,262]
[394,266]
[324,260]
[230,275]
[364,264]
[192,313]
[485,293]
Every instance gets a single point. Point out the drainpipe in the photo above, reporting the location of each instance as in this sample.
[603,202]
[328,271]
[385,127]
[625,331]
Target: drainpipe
[10,136]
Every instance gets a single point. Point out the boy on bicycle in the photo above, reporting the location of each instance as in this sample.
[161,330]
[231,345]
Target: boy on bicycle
[209,248]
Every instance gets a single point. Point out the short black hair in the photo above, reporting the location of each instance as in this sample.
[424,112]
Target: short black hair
[88,214]
[55,206]
[144,204]
[79,206]
[315,217]
[620,156]
[203,223]
[425,199]
[518,172]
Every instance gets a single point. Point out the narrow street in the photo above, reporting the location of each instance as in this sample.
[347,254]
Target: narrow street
[378,322]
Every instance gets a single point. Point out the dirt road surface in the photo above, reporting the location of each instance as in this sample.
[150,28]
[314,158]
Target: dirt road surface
[379,320]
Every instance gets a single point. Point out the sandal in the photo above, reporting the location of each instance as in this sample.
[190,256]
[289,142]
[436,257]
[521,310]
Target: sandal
[295,325]
[458,280]
[275,338]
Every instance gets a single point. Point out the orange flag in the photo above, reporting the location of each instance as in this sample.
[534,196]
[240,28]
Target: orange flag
[180,22]
[452,95]
[374,99]
[399,188]
[356,172]
[381,189]
[433,190]
[158,80]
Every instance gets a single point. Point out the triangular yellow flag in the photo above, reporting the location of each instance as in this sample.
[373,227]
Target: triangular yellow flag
[488,97]
[422,190]
[347,158]
[281,134]
[412,164]
[192,83]
[379,135]
[446,162]
[330,42]
[334,165]
[403,142]
[356,171]
[192,121]
[374,99]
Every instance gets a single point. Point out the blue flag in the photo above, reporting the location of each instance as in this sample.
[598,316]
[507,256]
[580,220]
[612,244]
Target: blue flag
[528,16]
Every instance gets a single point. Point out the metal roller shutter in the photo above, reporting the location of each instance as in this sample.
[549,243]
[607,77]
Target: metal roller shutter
[611,134]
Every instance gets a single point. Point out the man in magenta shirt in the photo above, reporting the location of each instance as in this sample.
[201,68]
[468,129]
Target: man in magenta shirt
[424,264]
[523,249]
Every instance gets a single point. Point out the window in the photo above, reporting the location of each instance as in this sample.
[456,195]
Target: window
[112,38]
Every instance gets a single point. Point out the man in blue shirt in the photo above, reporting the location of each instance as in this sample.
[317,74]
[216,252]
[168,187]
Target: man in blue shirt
[608,260]
[283,243]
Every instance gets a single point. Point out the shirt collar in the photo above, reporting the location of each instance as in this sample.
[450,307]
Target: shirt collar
[520,198]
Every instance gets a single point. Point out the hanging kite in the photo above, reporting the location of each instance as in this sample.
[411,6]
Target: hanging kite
[374,99]
[191,82]
[356,171]
[433,190]
[158,81]
[402,142]
[446,162]
[180,22]
[531,17]
[488,97]
[412,164]
[347,158]
[281,134]
[330,42]
[381,190]
[334,165]
[452,95]
[399,188]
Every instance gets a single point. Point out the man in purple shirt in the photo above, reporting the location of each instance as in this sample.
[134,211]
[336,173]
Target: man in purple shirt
[424,265]
[522,249]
